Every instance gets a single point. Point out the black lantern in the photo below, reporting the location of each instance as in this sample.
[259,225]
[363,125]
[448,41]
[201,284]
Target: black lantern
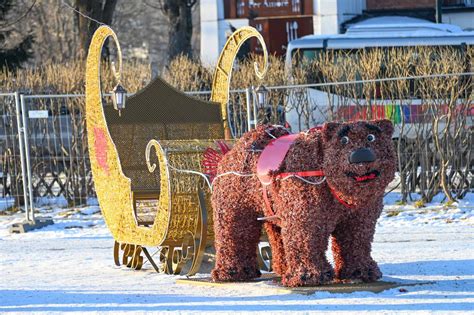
[262,95]
[119,97]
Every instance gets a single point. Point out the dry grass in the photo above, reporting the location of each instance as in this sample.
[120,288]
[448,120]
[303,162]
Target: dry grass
[393,213]
[69,78]
[190,75]
[419,203]
[187,74]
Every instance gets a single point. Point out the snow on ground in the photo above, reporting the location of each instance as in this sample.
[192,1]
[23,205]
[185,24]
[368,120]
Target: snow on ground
[6,203]
[69,267]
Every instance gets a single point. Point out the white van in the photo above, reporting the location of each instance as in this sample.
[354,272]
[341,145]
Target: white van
[390,31]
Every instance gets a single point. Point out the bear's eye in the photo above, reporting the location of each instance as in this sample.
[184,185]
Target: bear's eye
[345,140]
[371,138]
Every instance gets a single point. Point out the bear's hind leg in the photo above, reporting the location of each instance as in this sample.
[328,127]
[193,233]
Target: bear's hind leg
[237,233]
[276,244]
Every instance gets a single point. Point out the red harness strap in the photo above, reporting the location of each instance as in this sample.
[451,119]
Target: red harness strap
[319,174]
[341,201]
[270,160]
[268,205]
[283,176]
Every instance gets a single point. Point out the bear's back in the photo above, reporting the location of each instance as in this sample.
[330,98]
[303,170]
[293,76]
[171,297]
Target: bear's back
[244,155]
[306,153]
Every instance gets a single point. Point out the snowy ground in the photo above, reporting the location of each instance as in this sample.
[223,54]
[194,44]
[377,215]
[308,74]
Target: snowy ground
[69,267]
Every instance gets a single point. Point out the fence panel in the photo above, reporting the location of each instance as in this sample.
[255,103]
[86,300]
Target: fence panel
[433,118]
[11,181]
[58,155]
[56,145]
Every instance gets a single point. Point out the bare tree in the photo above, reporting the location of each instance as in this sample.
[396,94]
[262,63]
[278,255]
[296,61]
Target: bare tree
[180,25]
[101,11]
[14,55]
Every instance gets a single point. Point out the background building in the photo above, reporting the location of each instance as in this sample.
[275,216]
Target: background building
[457,12]
[281,21]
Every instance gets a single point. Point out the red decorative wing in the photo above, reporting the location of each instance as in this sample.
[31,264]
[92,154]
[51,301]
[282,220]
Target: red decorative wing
[223,146]
[211,159]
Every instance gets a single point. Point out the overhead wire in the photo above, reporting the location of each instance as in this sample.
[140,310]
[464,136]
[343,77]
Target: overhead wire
[81,13]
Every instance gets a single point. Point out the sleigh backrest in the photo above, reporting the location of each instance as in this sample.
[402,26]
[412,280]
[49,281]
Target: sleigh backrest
[158,112]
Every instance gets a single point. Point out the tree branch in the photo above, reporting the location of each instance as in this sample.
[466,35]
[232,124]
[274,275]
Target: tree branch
[108,11]
[159,6]
[190,3]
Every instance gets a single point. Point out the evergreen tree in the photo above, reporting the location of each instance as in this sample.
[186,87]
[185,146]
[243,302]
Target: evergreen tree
[12,57]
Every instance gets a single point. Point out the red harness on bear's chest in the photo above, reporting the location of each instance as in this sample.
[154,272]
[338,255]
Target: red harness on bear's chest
[270,161]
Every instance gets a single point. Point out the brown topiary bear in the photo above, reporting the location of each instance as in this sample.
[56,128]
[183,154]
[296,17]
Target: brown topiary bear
[313,185]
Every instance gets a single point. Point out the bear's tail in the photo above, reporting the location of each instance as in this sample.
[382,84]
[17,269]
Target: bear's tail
[212,158]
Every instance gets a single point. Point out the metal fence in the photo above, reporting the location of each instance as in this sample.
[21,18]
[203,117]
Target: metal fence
[12,166]
[44,150]
[44,154]
[433,117]
[57,152]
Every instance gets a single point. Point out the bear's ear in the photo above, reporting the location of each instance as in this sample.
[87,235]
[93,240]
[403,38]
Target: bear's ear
[329,130]
[385,125]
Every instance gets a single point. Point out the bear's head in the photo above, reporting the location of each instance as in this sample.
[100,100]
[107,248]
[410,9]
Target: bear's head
[359,158]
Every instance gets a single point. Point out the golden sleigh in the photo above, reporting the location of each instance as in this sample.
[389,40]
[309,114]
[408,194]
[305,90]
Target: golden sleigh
[163,122]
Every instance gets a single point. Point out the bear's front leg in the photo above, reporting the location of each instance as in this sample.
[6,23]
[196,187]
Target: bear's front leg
[305,242]
[351,246]
[237,233]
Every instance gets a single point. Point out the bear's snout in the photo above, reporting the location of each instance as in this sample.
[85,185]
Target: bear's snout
[362,155]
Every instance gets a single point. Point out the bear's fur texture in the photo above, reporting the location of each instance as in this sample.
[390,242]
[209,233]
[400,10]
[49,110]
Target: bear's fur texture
[308,214]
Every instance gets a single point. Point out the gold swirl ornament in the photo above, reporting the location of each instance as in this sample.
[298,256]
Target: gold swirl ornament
[113,188]
[180,226]
[222,75]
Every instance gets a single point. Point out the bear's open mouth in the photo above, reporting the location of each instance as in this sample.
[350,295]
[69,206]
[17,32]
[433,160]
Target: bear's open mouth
[364,178]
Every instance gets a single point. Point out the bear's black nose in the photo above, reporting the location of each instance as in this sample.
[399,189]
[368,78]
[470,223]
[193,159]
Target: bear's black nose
[362,155]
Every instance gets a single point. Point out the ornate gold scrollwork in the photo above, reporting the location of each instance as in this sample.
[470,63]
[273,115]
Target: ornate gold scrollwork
[174,258]
[194,244]
[200,236]
[137,259]
[131,255]
[181,256]
[117,253]
[113,188]
[165,263]
[222,75]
